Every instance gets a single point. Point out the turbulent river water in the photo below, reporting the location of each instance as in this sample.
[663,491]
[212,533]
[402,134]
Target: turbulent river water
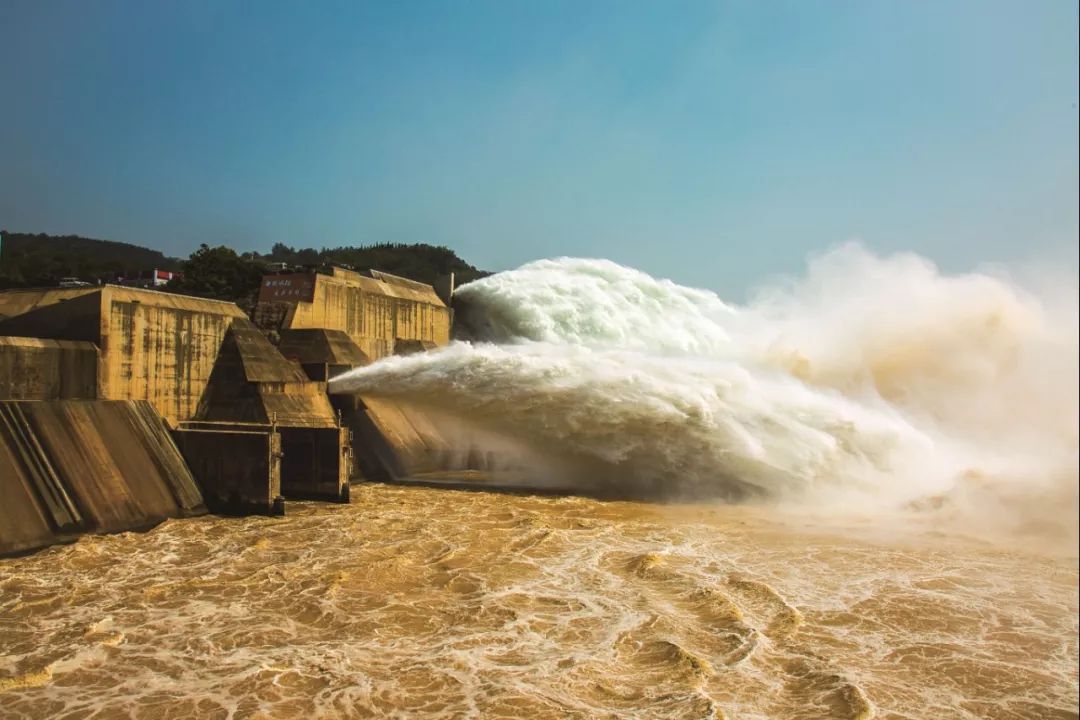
[417,602]
[853,497]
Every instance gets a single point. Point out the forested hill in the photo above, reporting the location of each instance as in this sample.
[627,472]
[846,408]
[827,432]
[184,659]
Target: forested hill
[220,271]
[42,259]
[419,261]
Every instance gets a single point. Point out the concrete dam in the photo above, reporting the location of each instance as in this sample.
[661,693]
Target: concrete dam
[122,407]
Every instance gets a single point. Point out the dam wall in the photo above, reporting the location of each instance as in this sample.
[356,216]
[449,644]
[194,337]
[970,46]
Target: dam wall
[395,440]
[141,405]
[195,361]
[253,420]
[418,445]
[153,346]
[238,466]
[161,347]
[69,467]
[330,323]
[36,369]
[375,310]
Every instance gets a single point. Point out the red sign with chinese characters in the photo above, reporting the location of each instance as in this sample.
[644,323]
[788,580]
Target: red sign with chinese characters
[299,287]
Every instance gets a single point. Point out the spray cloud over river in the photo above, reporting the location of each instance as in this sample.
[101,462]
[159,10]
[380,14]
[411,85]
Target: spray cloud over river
[870,381]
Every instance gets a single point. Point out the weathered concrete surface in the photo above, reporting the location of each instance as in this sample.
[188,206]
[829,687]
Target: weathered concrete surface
[374,310]
[162,347]
[253,383]
[200,360]
[237,466]
[392,439]
[21,301]
[54,314]
[35,369]
[319,345]
[322,353]
[75,466]
[154,346]
[316,463]
[403,346]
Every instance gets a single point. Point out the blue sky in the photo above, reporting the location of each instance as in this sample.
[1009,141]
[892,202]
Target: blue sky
[712,143]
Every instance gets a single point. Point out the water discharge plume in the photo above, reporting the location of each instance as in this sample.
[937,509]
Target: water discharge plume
[680,425]
[597,303]
[873,380]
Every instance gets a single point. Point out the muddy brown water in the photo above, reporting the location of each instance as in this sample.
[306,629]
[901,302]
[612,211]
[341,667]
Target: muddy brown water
[421,602]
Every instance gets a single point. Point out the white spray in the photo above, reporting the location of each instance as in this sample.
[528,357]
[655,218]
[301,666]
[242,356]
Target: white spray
[876,378]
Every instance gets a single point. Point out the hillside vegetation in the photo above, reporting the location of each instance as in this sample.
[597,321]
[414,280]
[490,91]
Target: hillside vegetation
[217,272]
[419,261]
[28,260]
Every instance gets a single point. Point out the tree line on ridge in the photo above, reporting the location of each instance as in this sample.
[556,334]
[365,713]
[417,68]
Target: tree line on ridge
[28,260]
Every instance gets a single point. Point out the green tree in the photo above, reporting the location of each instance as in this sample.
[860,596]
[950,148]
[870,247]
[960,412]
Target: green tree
[307,257]
[282,253]
[218,272]
[29,259]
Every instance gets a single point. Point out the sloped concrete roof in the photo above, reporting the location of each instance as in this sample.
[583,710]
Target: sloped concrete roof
[20,301]
[23,300]
[157,298]
[60,315]
[45,344]
[253,382]
[408,346]
[383,283]
[262,362]
[319,345]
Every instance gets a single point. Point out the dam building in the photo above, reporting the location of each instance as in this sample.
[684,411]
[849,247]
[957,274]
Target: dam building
[121,407]
[378,311]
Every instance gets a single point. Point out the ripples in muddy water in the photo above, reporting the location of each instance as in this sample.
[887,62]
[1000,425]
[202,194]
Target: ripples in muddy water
[416,602]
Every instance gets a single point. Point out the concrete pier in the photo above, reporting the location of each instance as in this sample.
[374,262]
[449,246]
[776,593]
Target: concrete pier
[253,383]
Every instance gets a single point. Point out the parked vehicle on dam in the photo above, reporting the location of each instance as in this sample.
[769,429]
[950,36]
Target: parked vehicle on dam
[73,282]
